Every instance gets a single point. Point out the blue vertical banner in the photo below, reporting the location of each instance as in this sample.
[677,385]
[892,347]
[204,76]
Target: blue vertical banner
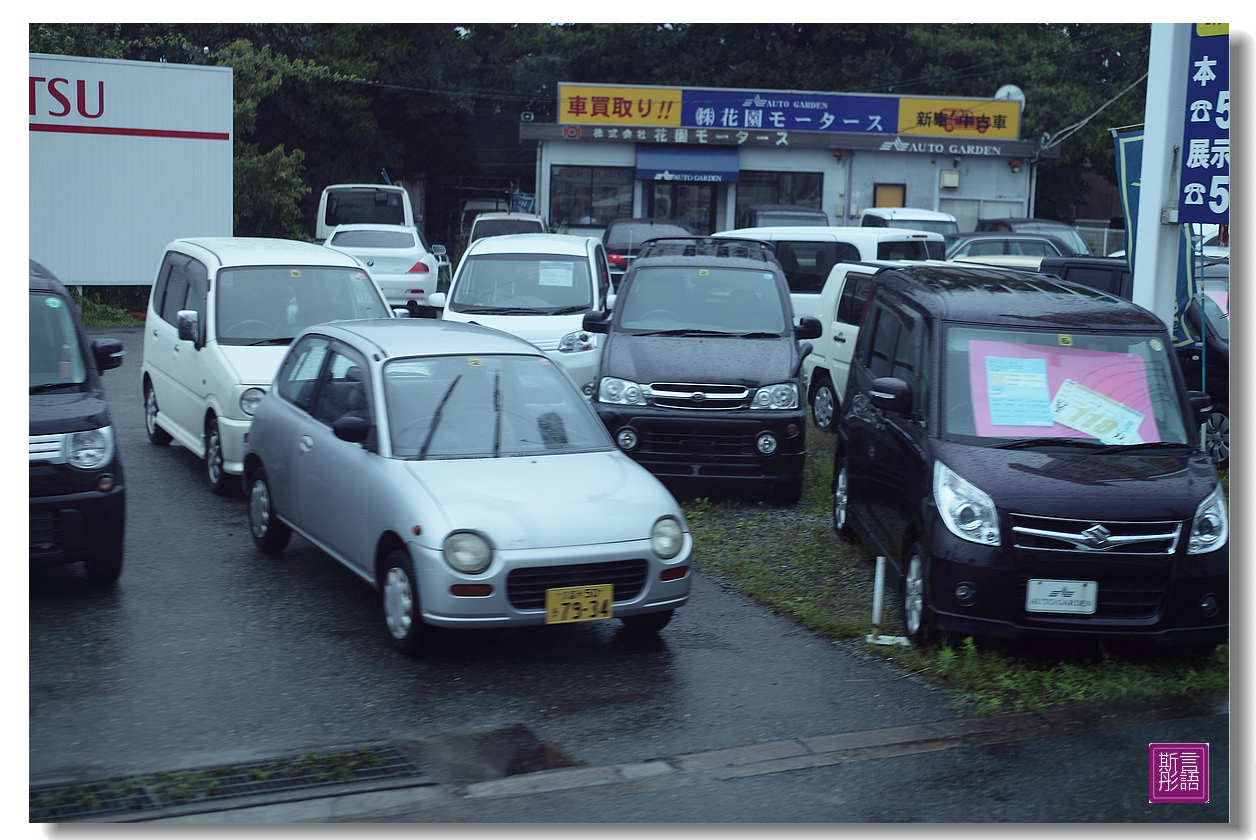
[1129,168]
[1205,174]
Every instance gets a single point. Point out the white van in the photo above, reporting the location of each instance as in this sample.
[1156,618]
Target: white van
[914,218]
[537,286]
[221,313]
[355,204]
[807,253]
[840,310]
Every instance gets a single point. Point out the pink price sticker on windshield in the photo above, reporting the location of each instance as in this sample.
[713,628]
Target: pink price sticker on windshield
[1177,773]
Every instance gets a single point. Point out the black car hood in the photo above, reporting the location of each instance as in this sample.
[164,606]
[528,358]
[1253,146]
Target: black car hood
[57,414]
[1085,484]
[752,362]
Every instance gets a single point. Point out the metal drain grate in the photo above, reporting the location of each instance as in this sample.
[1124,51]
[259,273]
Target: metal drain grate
[124,794]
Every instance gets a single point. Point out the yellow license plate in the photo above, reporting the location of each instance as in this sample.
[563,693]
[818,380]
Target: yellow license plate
[578,603]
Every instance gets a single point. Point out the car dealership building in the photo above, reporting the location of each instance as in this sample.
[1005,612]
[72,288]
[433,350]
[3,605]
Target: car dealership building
[703,155]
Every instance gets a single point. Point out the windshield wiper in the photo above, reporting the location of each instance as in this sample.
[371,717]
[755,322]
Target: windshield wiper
[685,332]
[1030,443]
[265,342]
[436,417]
[567,310]
[501,310]
[54,386]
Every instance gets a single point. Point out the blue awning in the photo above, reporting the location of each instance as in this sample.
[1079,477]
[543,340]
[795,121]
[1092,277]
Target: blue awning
[686,163]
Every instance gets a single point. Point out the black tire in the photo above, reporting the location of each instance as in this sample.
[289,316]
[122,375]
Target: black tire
[824,403]
[1216,436]
[841,502]
[648,623]
[269,534]
[156,434]
[399,594]
[916,596]
[105,570]
[220,481]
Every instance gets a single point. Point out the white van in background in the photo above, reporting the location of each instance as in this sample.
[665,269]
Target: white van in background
[361,204]
[808,253]
[914,218]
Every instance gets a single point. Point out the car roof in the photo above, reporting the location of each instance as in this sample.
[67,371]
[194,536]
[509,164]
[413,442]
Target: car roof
[373,226]
[248,250]
[837,231]
[395,337]
[1005,234]
[1008,297]
[909,213]
[385,187]
[706,251]
[43,280]
[506,214]
[533,243]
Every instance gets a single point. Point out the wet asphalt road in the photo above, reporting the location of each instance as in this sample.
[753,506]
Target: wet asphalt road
[208,652]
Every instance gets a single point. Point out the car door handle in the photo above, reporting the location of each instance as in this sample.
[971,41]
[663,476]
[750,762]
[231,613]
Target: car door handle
[840,338]
[305,443]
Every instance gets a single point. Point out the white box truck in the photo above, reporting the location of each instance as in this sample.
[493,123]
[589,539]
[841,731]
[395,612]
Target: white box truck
[125,156]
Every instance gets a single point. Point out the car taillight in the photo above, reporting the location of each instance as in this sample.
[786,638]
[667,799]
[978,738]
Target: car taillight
[616,261]
[418,268]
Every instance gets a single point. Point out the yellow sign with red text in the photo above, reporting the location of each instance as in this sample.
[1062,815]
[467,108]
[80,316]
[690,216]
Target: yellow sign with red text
[619,105]
[985,119]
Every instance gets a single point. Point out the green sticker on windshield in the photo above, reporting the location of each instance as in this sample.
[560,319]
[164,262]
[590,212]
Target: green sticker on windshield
[53,303]
[1156,345]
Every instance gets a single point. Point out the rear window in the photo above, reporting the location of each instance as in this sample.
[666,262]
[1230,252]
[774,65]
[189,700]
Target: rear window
[910,249]
[628,237]
[499,227]
[373,239]
[364,207]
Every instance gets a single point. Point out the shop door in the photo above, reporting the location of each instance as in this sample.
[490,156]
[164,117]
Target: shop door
[687,202]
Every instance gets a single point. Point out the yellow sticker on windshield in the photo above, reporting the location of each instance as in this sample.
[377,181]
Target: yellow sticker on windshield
[474,362]
[1065,340]
[704,271]
[294,272]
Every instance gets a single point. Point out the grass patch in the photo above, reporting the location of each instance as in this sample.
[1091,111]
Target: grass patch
[790,560]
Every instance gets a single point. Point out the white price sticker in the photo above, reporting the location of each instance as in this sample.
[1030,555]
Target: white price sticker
[1089,411]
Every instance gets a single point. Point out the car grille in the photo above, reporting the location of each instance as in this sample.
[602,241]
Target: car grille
[45,532]
[1040,533]
[699,397]
[525,588]
[47,448]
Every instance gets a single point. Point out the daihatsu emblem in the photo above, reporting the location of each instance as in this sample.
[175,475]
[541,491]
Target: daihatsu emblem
[1096,536]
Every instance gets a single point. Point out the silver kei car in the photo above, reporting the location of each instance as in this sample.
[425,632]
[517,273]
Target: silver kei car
[460,471]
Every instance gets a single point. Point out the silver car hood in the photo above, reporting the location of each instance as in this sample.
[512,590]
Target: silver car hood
[546,501]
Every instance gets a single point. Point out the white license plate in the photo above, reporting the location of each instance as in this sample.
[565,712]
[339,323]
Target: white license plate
[1061,596]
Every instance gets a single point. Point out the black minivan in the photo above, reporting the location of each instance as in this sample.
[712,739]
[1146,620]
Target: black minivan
[1025,453]
[700,374]
[77,492]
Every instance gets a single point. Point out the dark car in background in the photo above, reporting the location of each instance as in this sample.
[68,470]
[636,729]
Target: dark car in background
[1025,453]
[77,491]
[993,244]
[700,375]
[624,238]
[782,215]
[1060,230]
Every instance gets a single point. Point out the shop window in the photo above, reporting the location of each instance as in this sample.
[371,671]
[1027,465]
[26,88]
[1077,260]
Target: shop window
[804,189]
[589,195]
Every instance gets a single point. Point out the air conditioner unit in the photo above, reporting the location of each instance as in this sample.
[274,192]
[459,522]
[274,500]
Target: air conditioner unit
[949,179]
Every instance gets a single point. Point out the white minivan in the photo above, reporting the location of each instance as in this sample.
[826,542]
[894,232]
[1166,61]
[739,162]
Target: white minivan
[807,253]
[220,315]
[537,286]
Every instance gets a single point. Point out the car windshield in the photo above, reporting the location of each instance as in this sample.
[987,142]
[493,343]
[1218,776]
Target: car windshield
[271,304]
[499,227]
[372,239]
[522,284]
[734,301]
[56,359]
[1000,386]
[1218,316]
[486,406]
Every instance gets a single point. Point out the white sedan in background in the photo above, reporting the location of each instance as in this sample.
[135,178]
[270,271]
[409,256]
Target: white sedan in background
[399,259]
[459,471]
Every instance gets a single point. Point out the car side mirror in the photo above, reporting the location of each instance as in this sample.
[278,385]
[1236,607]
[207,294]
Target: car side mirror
[597,322]
[108,353]
[189,325]
[891,394]
[352,429]
[808,327]
[1200,403]
[400,312]
[438,250]
[436,299]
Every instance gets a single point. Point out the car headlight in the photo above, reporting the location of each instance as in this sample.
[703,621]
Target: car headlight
[575,342]
[784,395]
[250,399]
[467,552]
[91,449]
[620,392]
[1211,527]
[968,511]
[667,537]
